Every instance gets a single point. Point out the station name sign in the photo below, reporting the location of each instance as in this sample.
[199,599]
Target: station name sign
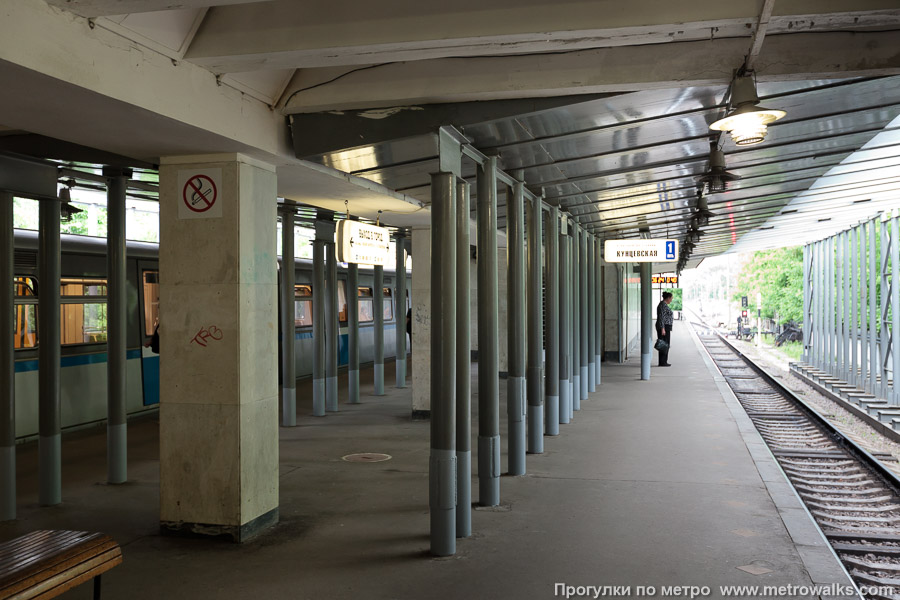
[640,251]
[666,279]
[362,244]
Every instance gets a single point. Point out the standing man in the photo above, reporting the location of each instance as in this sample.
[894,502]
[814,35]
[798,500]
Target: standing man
[664,326]
[740,321]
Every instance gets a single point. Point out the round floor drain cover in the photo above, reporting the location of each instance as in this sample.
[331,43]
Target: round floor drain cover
[367,457]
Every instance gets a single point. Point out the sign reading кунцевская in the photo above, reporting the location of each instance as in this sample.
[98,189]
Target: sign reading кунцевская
[640,251]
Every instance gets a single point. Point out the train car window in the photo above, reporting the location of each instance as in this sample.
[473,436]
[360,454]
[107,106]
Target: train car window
[74,287]
[151,301]
[83,311]
[25,327]
[366,315]
[25,313]
[302,305]
[342,301]
[388,305]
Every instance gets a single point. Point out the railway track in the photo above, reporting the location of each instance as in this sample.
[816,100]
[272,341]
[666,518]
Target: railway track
[852,495]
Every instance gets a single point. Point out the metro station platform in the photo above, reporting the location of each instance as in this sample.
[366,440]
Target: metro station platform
[658,483]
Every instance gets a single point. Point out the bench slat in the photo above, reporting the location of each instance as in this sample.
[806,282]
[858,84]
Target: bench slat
[44,564]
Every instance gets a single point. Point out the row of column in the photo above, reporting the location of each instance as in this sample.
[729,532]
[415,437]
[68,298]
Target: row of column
[850,293]
[49,350]
[567,301]
[326,324]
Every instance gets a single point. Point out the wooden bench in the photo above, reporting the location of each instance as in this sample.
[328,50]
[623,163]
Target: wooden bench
[44,564]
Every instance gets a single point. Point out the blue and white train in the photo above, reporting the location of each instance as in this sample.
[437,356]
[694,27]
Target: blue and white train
[83,327]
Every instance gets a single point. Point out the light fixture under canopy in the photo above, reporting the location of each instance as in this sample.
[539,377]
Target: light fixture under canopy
[746,122]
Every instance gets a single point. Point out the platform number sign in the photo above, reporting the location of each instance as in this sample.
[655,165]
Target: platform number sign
[200,194]
[670,249]
[744,303]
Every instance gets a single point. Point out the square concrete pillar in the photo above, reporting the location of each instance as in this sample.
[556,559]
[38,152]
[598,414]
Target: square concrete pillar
[218,346]
[420,296]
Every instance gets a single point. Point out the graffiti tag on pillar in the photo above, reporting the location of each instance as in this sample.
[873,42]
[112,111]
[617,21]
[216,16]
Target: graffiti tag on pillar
[206,335]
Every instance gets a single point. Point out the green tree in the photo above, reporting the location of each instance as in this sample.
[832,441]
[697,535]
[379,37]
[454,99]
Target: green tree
[677,298]
[778,276]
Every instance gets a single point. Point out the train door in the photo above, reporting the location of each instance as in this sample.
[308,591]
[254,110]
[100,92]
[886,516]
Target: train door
[149,282]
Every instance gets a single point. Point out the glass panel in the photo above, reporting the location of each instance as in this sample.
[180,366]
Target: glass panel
[365,292]
[303,291]
[26,326]
[303,313]
[342,301]
[388,305]
[366,314]
[82,323]
[25,286]
[80,286]
[151,301]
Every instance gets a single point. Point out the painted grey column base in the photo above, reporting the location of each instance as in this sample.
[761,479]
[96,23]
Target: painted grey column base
[234,533]
[489,470]
[576,391]
[288,407]
[50,469]
[8,477]
[442,501]
[379,379]
[536,429]
[645,366]
[515,410]
[463,494]
[597,366]
[592,377]
[565,402]
[318,397]
[401,373]
[572,399]
[117,453]
[353,386]
[331,394]
[551,415]
[584,384]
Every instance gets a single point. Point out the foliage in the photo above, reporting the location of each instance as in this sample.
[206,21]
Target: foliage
[677,297]
[778,276]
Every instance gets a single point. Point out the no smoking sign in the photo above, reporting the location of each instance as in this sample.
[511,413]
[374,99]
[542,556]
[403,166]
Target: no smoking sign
[200,194]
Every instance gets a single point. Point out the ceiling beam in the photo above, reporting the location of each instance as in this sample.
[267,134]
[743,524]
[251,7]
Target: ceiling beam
[799,56]
[104,8]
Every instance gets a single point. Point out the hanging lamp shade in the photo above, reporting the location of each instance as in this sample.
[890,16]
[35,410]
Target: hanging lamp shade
[747,123]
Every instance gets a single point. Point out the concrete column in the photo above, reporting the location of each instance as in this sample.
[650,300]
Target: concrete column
[7,363]
[847,305]
[646,319]
[592,316]
[332,329]
[49,443]
[400,311]
[575,276]
[318,290]
[442,466]
[421,322]
[353,333]
[288,327]
[860,249]
[853,242]
[515,391]
[117,323]
[535,307]
[583,321]
[378,309]
[598,281]
[463,367]
[885,244]
[807,322]
[839,309]
[565,329]
[218,374]
[488,334]
[552,381]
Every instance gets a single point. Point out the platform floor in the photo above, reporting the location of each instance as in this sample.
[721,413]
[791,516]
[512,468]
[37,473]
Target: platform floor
[653,484]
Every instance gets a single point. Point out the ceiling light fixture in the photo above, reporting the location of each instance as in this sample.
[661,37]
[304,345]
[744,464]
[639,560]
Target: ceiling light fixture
[746,122]
[716,179]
